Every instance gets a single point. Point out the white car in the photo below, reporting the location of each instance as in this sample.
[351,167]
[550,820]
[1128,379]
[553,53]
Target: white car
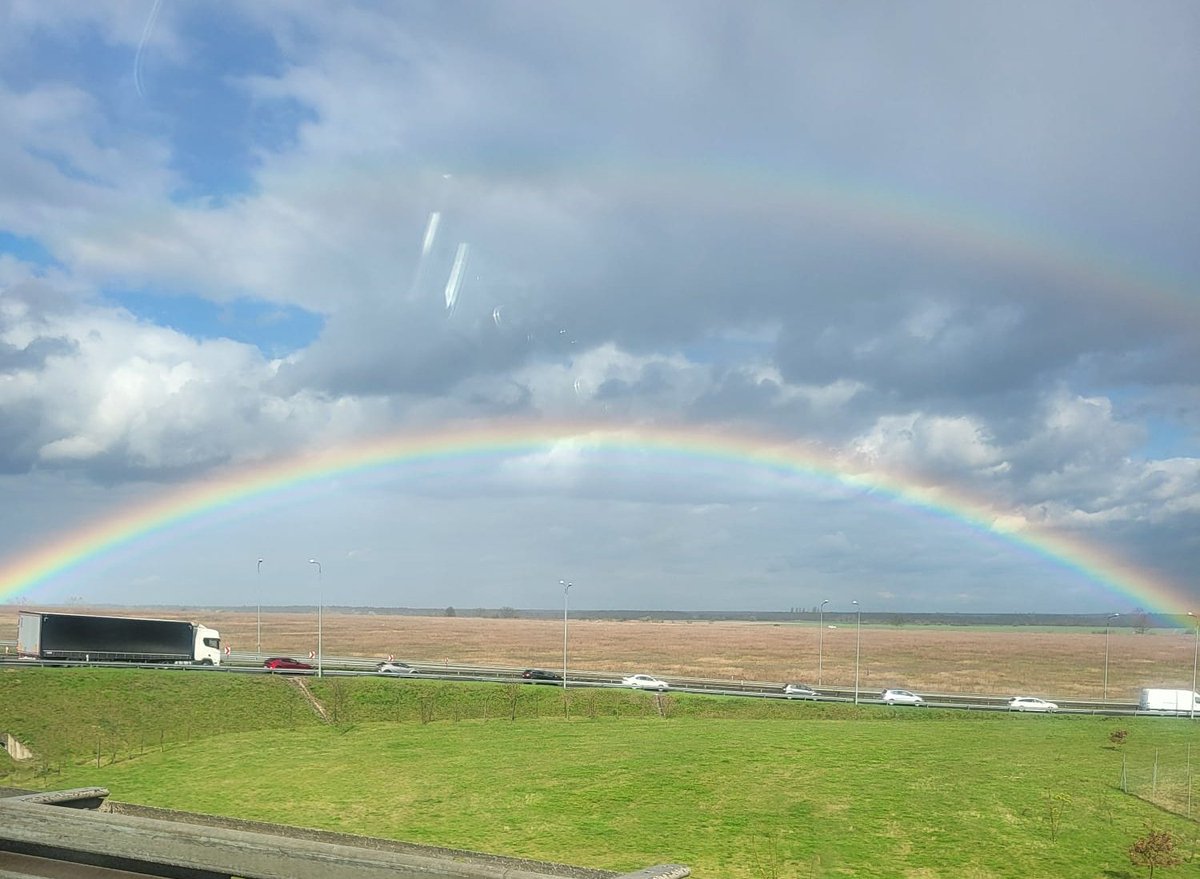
[394,668]
[902,697]
[1030,703]
[644,682]
[799,691]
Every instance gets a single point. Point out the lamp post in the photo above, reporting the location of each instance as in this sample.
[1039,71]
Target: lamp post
[566,589]
[857,644]
[258,640]
[1107,623]
[320,601]
[821,639]
[1195,656]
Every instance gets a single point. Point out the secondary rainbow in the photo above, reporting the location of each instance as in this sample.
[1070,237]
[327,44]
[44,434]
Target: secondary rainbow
[731,187]
[499,441]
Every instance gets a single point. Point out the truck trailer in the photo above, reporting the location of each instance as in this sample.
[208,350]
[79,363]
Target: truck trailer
[86,638]
[1170,701]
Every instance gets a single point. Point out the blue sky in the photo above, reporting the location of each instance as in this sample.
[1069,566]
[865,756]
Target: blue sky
[226,239]
[27,250]
[274,329]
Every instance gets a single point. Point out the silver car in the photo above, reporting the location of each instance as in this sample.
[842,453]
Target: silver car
[392,667]
[799,691]
[645,682]
[902,697]
[1030,703]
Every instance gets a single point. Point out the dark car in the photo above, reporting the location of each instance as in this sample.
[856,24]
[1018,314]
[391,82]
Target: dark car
[540,674]
[286,663]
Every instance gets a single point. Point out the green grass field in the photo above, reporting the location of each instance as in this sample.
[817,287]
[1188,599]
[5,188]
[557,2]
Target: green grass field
[732,787]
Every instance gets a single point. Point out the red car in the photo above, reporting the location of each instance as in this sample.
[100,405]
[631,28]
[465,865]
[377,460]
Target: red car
[286,663]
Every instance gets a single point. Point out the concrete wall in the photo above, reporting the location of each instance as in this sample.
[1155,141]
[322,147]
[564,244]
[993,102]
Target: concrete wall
[15,748]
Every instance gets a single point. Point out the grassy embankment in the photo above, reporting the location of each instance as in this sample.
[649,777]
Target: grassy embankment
[734,787]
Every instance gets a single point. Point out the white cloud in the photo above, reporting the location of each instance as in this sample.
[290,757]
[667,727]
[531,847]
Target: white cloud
[128,394]
[918,441]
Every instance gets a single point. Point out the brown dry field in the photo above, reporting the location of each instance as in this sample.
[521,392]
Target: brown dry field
[1065,663]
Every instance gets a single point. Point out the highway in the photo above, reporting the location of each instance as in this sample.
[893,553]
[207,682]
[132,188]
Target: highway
[347,666]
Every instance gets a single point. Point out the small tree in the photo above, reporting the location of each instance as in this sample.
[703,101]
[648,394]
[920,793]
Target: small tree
[1118,737]
[1057,805]
[427,705]
[339,701]
[513,693]
[1155,849]
[450,612]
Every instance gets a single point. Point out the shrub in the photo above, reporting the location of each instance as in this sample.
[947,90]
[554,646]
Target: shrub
[1155,849]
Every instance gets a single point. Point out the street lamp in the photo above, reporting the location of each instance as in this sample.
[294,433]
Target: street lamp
[1195,656]
[566,588]
[821,639]
[1107,622]
[857,644]
[320,601]
[258,589]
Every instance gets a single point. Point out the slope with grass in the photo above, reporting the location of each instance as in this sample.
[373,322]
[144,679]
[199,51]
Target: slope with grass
[733,787]
[68,714]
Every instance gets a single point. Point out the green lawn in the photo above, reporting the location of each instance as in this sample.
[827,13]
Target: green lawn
[733,787]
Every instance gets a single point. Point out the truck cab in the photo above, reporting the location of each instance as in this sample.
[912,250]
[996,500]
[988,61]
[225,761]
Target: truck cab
[208,646]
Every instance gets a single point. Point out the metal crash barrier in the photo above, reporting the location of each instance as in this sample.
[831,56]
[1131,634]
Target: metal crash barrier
[78,833]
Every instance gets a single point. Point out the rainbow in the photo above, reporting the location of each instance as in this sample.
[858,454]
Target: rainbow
[1089,274]
[689,446]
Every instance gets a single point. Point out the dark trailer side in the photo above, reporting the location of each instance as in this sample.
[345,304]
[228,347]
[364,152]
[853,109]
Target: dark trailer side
[88,638]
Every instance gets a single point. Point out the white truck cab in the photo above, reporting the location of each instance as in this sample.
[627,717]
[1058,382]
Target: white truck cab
[208,646]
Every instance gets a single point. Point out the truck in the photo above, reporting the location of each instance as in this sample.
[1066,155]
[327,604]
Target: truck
[1170,701]
[88,638]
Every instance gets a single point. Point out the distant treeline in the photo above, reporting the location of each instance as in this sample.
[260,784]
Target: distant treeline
[1136,619]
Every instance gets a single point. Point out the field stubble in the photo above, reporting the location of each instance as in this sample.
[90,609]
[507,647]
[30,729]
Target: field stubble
[1067,663]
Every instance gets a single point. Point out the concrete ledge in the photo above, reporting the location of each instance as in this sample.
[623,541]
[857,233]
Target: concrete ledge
[76,798]
[186,850]
[285,832]
[14,866]
[662,871]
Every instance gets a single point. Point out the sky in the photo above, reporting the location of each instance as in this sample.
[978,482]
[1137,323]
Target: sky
[945,256]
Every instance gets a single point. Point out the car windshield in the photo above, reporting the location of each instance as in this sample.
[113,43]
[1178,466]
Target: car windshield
[744,340]
[632,261]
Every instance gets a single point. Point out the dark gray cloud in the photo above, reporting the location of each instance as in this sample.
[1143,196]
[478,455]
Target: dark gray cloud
[33,356]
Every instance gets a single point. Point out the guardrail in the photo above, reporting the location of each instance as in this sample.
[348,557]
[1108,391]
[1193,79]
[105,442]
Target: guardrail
[710,686]
[251,663]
